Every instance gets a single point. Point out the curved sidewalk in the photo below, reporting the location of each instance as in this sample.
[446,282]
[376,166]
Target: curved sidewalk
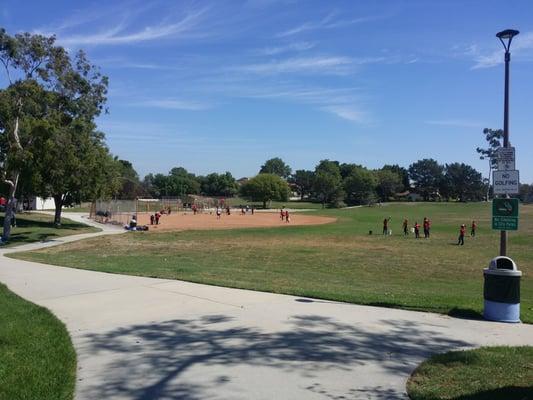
[144,338]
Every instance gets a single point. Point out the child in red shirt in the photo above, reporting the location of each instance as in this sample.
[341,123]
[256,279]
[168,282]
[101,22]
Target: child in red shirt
[461,240]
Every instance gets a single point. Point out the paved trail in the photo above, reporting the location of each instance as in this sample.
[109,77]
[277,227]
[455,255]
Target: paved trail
[143,338]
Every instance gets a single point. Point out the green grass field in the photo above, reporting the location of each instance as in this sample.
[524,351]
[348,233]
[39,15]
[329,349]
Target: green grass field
[37,360]
[338,261]
[35,227]
[487,373]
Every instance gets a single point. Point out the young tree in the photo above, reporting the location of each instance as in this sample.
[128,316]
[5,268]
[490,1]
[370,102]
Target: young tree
[493,138]
[426,176]
[303,180]
[276,166]
[265,188]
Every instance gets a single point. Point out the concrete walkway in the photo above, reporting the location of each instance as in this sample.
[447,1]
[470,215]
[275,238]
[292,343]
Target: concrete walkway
[143,338]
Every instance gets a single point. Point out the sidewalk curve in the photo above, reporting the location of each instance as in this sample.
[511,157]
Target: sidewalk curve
[144,338]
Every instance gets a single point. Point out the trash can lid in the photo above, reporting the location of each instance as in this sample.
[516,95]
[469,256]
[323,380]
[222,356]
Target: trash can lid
[502,263]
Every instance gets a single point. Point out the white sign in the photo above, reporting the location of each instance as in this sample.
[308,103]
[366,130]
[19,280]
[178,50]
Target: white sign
[506,159]
[506,182]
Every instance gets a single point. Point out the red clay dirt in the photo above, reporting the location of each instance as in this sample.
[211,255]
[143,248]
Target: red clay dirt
[188,221]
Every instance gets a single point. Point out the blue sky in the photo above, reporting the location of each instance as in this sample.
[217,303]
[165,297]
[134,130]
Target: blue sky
[225,85]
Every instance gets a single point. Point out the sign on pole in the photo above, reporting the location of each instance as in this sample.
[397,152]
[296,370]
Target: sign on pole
[505,214]
[506,182]
[506,158]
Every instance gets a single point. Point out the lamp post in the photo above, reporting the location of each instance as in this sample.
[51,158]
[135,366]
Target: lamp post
[506,37]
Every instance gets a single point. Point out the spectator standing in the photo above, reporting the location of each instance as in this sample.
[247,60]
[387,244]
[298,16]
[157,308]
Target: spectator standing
[473,229]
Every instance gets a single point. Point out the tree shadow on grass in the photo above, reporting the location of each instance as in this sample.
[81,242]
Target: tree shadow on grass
[505,393]
[150,361]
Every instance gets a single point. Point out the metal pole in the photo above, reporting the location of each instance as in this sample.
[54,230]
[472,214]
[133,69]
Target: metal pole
[503,234]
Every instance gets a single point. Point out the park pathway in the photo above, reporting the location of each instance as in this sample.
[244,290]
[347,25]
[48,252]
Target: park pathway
[144,338]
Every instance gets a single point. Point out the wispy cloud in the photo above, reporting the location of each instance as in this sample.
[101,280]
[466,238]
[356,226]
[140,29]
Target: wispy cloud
[172,104]
[522,47]
[329,65]
[291,47]
[461,123]
[120,33]
[328,22]
[348,112]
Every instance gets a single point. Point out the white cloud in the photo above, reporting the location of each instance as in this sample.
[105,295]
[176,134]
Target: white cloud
[521,47]
[292,47]
[172,104]
[327,22]
[455,122]
[348,112]
[118,34]
[329,65]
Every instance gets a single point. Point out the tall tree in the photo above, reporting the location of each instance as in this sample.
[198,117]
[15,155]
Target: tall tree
[493,138]
[389,182]
[327,185]
[360,186]
[218,184]
[31,62]
[462,182]
[426,176]
[130,186]
[303,181]
[265,188]
[276,166]
[404,174]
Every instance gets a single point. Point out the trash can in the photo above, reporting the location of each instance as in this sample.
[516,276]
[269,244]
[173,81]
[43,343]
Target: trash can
[501,290]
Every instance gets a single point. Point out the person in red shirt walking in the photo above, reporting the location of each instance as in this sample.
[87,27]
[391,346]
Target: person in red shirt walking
[157,216]
[473,229]
[461,240]
[287,218]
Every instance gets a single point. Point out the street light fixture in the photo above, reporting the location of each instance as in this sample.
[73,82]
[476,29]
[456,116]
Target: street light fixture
[506,37]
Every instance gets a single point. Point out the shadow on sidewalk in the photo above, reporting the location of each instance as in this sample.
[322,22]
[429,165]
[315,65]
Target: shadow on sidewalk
[161,353]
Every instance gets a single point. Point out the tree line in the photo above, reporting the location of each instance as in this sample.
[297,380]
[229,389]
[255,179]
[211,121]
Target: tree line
[331,183]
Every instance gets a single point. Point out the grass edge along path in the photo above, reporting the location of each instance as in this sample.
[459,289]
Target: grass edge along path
[486,373]
[37,358]
[38,227]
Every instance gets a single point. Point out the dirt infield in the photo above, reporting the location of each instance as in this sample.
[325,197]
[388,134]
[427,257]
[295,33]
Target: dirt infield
[188,221]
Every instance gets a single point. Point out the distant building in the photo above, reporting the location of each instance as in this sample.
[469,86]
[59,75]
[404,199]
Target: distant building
[38,203]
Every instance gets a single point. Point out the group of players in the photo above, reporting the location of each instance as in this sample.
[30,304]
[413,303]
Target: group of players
[426,225]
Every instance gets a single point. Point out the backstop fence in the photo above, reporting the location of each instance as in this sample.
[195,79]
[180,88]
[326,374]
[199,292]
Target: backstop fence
[120,212]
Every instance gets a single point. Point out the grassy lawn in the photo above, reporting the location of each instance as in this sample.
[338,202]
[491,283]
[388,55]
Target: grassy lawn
[338,261]
[34,227]
[37,360]
[488,373]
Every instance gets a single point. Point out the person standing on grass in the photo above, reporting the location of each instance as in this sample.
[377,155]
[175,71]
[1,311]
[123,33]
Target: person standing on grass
[461,240]
[385,226]
[473,229]
[417,230]
[405,227]
[425,225]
